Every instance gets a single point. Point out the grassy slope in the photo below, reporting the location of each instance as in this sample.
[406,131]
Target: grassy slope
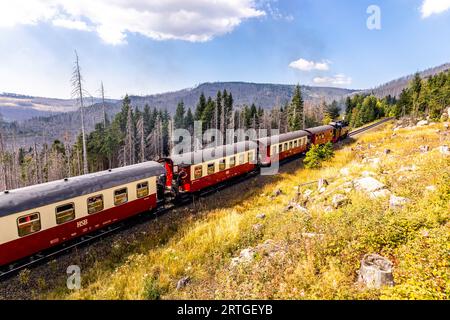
[201,246]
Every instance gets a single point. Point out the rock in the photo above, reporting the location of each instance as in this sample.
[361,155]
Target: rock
[406,169]
[322,184]
[328,209]
[311,235]
[446,126]
[295,205]
[322,190]
[387,151]
[368,184]
[368,174]
[307,194]
[425,233]
[269,248]
[424,149]
[245,256]
[431,188]
[261,216]
[183,282]
[277,192]
[444,150]
[422,123]
[339,200]
[257,227]
[383,193]
[397,202]
[376,271]
[344,171]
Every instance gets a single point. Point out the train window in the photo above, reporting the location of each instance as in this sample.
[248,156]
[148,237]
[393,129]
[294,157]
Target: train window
[285,146]
[280,148]
[211,168]
[295,143]
[29,224]
[65,213]
[291,145]
[222,165]
[241,159]
[198,172]
[120,196]
[95,204]
[251,157]
[232,162]
[142,189]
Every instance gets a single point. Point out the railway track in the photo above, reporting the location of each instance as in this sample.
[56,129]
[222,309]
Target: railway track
[41,257]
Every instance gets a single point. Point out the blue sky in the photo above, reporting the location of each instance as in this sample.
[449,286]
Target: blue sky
[150,46]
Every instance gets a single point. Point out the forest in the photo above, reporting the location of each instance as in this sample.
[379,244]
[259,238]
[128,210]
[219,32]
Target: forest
[134,135]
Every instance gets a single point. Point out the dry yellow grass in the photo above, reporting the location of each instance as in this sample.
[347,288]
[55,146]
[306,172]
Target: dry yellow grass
[416,238]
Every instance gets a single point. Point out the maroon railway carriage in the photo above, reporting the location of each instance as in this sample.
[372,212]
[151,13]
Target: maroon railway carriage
[321,135]
[37,217]
[277,148]
[195,171]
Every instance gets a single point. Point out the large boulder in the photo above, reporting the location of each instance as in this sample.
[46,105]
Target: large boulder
[368,184]
[371,186]
[422,123]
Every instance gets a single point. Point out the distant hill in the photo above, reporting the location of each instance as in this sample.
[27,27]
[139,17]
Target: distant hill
[395,87]
[261,94]
[17,107]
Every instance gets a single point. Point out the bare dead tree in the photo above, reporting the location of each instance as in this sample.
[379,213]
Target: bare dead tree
[140,128]
[78,92]
[129,139]
[102,92]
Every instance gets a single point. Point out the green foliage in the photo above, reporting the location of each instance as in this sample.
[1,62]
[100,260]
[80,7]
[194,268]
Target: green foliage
[178,119]
[152,289]
[317,154]
[295,111]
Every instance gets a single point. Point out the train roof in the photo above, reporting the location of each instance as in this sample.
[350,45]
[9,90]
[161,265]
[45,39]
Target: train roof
[209,154]
[320,129]
[283,137]
[39,195]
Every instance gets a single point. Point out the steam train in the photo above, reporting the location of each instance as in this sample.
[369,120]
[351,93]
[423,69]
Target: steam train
[36,218]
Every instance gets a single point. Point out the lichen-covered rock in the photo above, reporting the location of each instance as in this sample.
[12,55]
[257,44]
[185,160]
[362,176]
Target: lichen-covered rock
[183,282]
[398,202]
[368,184]
[422,123]
[339,200]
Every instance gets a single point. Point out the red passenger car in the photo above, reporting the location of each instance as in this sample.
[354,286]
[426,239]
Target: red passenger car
[321,135]
[195,171]
[37,217]
[277,148]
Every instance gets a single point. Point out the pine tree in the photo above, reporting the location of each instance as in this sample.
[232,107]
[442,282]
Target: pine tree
[179,121]
[201,106]
[189,121]
[295,112]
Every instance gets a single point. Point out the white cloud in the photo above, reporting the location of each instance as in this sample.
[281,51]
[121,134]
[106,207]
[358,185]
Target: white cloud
[305,65]
[193,20]
[337,80]
[430,7]
[71,24]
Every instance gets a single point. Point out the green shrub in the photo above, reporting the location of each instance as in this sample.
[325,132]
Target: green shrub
[317,154]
